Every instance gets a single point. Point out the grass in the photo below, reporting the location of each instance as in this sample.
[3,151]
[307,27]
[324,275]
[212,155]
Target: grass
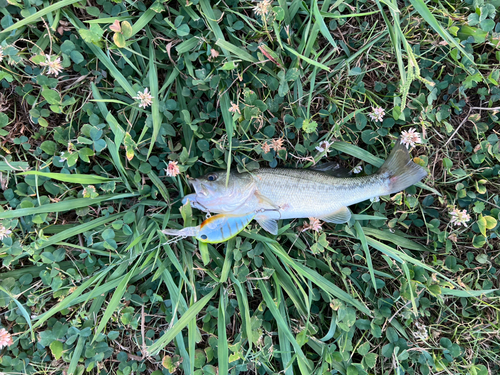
[90,284]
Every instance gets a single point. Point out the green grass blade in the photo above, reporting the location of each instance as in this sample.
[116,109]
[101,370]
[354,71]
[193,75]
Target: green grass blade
[242,299]
[143,20]
[190,11]
[302,360]
[237,51]
[117,130]
[406,271]
[358,153]
[70,299]
[66,205]
[340,16]
[396,239]
[115,301]
[175,261]
[35,270]
[159,185]
[229,124]
[322,26]
[228,260]
[64,235]
[39,14]
[285,280]
[222,345]
[187,46]
[332,328]
[117,161]
[285,344]
[120,79]
[466,293]
[306,59]
[181,346]
[75,358]
[317,279]
[186,317]
[175,292]
[108,19]
[361,217]
[155,106]
[13,166]
[84,179]
[24,313]
[192,342]
[205,254]
[361,236]
[209,14]
[426,14]
[294,8]
[106,61]
[283,4]
[400,256]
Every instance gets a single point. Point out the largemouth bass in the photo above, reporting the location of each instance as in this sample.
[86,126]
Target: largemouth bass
[279,193]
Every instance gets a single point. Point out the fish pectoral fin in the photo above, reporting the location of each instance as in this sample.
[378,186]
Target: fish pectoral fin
[342,215]
[269,225]
[265,203]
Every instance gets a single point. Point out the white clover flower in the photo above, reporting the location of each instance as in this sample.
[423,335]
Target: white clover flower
[377,114]
[4,232]
[314,224]
[266,147]
[357,169]
[5,338]
[458,217]
[263,8]
[172,169]
[234,108]
[54,65]
[410,137]
[323,146]
[144,98]
[421,332]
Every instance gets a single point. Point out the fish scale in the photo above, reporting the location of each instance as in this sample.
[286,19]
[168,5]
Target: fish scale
[306,193]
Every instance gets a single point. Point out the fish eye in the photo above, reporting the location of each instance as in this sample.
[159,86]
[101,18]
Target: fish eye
[212,177]
[203,237]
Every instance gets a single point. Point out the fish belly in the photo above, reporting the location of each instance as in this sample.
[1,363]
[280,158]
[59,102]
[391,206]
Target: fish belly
[306,193]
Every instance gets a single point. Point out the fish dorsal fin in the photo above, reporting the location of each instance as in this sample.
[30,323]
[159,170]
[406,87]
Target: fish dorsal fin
[269,225]
[333,169]
[342,215]
[326,167]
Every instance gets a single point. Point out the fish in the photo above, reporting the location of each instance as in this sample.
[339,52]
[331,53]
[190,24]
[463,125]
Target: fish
[215,229]
[272,194]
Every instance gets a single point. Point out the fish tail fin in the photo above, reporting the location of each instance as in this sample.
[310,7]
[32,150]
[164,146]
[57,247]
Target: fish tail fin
[400,169]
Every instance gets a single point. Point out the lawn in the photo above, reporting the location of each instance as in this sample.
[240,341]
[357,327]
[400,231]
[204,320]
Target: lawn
[108,108]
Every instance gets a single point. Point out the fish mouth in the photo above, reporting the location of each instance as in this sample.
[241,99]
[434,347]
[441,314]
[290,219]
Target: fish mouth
[200,188]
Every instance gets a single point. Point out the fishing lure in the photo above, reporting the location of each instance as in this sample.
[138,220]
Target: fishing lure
[215,229]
